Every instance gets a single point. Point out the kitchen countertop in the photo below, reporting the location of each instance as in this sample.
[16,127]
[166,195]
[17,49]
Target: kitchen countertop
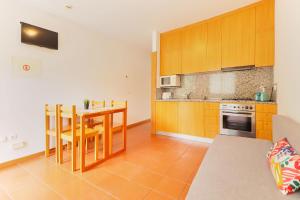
[214,100]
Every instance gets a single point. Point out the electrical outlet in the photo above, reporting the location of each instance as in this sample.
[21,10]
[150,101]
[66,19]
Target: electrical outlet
[18,145]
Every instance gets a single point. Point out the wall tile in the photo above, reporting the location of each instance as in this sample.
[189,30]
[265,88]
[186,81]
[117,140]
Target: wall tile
[237,84]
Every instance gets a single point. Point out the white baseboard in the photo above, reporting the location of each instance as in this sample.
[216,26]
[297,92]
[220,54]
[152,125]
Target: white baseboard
[186,137]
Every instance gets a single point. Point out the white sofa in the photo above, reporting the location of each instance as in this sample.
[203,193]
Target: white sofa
[236,168]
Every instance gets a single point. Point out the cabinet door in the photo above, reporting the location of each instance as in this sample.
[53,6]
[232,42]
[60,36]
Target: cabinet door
[194,39]
[264,113]
[265,36]
[190,118]
[211,119]
[153,90]
[238,38]
[170,53]
[214,50]
[167,116]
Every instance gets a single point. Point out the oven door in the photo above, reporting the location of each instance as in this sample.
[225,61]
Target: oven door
[238,123]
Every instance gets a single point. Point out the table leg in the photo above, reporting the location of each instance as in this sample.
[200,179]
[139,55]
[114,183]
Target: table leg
[106,141]
[125,129]
[111,128]
[96,147]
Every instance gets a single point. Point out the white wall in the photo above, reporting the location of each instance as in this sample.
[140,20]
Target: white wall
[87,65]
[287,62]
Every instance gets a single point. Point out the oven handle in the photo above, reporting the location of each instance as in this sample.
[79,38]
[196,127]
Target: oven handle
[237,113]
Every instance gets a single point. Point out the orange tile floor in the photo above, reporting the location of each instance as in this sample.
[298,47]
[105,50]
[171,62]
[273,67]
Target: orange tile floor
[153,168]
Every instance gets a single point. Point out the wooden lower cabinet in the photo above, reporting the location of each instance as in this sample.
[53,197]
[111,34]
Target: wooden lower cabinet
[167,116]
[264,114]
[202,119]
[199,119]
[190,118]
[211,119]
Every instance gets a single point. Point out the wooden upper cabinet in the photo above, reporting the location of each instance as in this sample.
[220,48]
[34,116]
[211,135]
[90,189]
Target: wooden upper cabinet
[194,42]
[170,53]
[265,34]
[238,38]
[214,48]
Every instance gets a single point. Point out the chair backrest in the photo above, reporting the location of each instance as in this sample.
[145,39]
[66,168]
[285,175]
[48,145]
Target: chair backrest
[51,111]
[98,104]
[67,112]
[119,104]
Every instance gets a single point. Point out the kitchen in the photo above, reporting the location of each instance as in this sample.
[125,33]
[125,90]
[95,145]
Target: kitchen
[216,77]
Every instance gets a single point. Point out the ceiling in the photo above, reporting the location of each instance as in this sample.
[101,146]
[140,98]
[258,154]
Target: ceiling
[133,21]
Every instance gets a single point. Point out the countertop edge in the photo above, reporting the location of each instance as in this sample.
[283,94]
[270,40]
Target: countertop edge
[213,100]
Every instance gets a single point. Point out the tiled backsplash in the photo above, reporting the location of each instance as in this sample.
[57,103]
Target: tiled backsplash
[236,84]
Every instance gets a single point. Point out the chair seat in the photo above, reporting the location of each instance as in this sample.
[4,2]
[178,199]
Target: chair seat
[52,132]
[89,132]
[98,121]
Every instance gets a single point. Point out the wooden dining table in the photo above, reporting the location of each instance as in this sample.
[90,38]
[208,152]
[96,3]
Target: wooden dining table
[107,135]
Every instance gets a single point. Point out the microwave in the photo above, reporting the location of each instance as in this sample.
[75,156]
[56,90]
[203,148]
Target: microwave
[170,81]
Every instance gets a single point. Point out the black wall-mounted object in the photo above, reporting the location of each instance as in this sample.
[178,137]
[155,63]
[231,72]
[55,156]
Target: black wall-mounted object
[38,36]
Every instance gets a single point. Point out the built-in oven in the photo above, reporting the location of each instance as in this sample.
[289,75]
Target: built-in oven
[237,120]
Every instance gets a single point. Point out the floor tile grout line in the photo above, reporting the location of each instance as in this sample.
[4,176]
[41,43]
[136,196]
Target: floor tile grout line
[78,175]
[151,188]
[111,172]
[65,170]
[184,149]
[41,181]
[155,172]
[141,185]
[119,177]
[100,189]
[163,194]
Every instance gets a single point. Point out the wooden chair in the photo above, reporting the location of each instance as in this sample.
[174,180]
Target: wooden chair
[51,112]
[73,135]
[117,126]
[97,105]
